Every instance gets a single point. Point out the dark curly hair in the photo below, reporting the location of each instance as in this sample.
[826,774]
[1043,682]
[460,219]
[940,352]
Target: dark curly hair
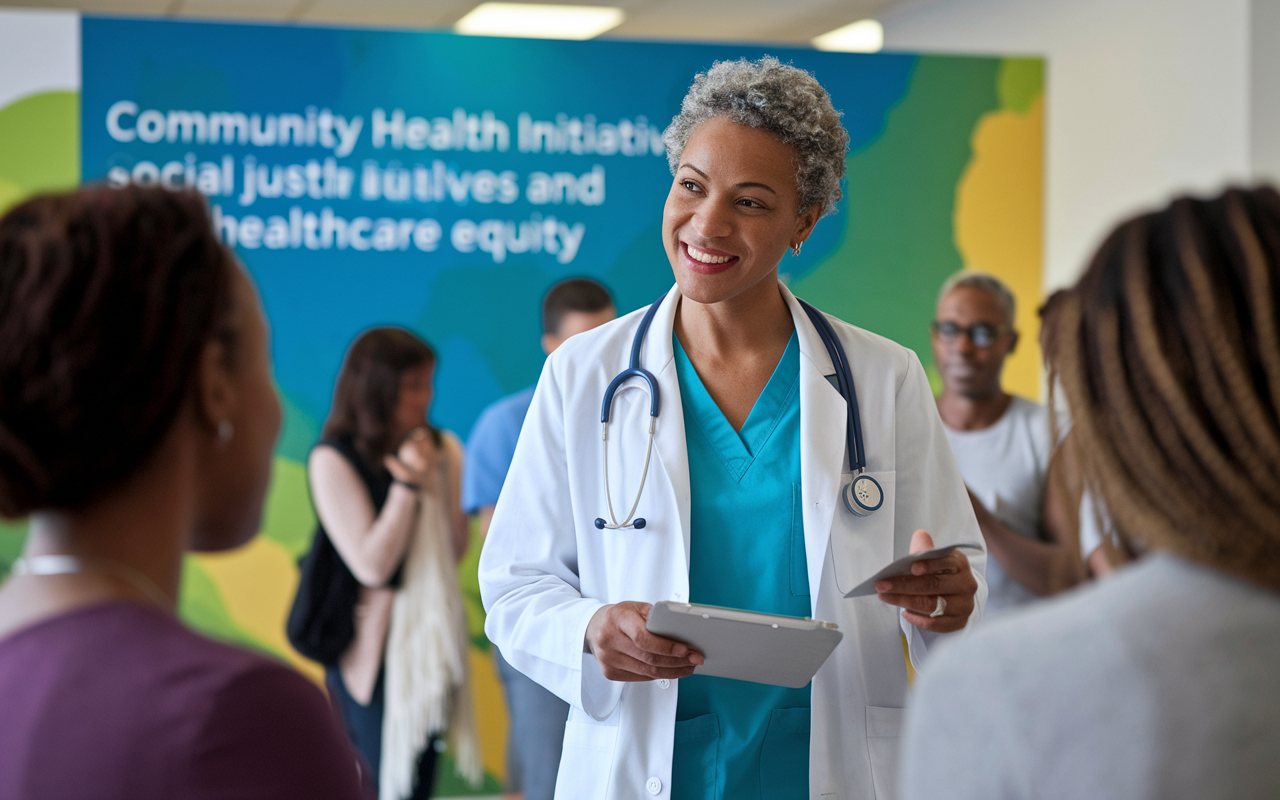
[781,99]
[108,297]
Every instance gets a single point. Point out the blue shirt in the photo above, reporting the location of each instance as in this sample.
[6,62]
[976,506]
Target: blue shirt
[737,740]
[490,448]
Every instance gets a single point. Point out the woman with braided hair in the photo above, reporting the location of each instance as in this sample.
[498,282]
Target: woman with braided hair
[1161,682]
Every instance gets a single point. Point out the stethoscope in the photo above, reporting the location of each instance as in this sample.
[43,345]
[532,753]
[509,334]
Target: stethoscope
[862,496]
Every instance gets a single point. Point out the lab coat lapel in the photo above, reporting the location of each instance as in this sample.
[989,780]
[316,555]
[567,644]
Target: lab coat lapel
[823,417]
[658,357]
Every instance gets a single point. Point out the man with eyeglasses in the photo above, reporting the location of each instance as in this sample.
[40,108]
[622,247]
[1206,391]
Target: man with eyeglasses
[1003,444]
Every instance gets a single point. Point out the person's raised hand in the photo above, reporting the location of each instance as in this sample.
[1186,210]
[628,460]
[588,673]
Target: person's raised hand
[949,578]
[415,460]
[617,637]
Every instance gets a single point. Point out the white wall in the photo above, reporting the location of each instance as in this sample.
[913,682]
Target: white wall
[1264,91]
[39,52]
[1146,98]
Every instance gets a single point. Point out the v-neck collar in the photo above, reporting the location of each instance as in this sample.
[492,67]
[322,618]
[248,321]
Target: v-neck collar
[738,449]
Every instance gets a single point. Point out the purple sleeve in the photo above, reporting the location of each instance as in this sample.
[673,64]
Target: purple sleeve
[271,734]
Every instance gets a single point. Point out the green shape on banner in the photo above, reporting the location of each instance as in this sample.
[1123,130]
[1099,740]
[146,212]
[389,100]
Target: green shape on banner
[13,535]
[300,431]
[935,378]
[448,784]
[41,135]
[469,586]
[288,517]
[200,605]
[1021,82]
[513,294]
[10,194]
[899,244]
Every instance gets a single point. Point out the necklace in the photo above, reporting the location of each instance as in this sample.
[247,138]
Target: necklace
[37,566]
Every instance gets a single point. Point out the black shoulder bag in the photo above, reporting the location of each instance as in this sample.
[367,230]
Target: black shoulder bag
[321,623]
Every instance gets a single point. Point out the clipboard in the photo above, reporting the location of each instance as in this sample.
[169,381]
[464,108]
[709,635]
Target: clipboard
[748,646]
[903,567]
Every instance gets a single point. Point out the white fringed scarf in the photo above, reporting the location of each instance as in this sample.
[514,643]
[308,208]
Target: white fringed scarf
[428,685]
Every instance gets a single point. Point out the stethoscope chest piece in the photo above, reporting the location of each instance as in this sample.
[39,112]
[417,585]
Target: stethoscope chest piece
[863,495]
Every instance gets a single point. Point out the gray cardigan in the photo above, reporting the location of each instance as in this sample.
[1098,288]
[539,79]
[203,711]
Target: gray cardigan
[1161,682]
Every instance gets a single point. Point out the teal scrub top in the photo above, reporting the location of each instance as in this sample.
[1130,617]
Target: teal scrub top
[737,739]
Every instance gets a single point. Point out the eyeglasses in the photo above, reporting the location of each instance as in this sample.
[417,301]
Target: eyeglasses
[981,334]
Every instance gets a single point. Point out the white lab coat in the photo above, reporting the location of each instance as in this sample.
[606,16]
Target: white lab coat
[546,568]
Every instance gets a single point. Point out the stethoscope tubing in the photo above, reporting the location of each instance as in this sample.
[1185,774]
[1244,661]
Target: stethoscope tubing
[633,370]
[844,377]
[844,382]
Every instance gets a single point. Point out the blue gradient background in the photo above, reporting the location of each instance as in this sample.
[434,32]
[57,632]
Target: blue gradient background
[482,317]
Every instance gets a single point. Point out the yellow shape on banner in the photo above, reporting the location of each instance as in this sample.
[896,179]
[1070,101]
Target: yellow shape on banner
[999,215]
[257,583]
[491,712]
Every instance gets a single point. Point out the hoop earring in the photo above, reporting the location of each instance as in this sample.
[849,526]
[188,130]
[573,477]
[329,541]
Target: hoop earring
[795,248]
[225,431]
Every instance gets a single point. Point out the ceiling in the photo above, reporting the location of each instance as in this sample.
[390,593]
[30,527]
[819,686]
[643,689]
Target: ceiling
[783,21]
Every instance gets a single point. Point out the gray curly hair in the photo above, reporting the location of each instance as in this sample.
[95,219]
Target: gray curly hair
[781,99]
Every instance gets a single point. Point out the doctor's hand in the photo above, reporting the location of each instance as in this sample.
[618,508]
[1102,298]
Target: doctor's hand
[949,578]
[617,637]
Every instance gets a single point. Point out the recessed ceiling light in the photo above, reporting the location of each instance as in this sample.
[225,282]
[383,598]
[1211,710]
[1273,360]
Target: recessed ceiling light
[864,36]
[539,21]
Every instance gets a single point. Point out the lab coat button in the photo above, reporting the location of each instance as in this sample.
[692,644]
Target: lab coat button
[664,684]
[654,786]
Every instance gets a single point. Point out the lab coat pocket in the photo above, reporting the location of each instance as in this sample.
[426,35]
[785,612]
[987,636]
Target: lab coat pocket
[586,761]
[784,758]
[695,767]
[862,546]
[884,741]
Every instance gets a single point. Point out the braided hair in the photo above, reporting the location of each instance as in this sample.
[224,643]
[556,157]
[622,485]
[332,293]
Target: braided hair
[1168,351]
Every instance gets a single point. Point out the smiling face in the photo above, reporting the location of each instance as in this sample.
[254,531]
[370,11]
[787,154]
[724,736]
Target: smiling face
[732,211]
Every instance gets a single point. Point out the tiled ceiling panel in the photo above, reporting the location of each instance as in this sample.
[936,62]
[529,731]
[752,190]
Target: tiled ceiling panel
[236,9]
[151,8]
[790,21]
[751,20]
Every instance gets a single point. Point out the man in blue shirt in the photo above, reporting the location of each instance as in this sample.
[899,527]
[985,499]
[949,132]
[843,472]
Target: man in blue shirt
[537,716]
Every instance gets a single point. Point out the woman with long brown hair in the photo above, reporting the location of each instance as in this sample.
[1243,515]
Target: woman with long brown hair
[137,421]
[1160,682]
[386,486]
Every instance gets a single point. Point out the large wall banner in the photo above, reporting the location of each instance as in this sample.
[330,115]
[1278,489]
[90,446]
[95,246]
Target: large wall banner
[443,183]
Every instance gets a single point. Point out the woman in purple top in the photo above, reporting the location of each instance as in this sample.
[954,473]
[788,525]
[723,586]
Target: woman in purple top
[137,421]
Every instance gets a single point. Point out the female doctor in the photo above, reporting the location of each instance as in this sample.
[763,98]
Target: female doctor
[721,480]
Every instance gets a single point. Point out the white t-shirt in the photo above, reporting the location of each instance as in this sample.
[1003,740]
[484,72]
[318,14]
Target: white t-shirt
[1095,524]
[1159,683]
[1006,466]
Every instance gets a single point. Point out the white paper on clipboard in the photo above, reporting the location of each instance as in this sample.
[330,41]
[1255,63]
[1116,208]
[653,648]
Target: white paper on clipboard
[903,567]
